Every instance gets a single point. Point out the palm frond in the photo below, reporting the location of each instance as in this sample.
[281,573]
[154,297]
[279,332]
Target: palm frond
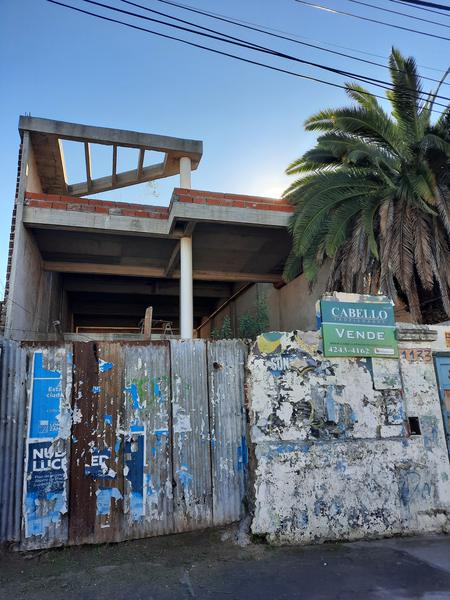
[374,194]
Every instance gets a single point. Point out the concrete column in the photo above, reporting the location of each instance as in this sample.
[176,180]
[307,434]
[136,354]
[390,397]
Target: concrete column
[186,294]
[185,173]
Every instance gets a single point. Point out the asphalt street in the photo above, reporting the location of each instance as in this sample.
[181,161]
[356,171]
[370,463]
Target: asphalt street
[212,565]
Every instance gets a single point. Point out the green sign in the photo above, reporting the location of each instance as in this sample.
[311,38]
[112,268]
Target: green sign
[358,328]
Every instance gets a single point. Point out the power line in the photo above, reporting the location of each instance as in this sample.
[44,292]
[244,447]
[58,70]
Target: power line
[253,27]
[347,14]
[212,50]
[397,12]
[265,29]
[217,35]
[422,3]
[247,45]
[207,48]
[427,10]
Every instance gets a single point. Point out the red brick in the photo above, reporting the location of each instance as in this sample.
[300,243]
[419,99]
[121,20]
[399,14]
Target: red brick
[36,196]
[59,205]
[79,200]
[41,203]
[108,203]
[101,209]
[216,202]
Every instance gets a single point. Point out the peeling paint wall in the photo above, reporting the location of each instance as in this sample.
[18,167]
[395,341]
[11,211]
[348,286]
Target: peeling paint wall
[335,457]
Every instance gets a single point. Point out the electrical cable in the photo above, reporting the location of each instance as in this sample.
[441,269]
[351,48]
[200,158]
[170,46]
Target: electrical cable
[428,10]
[212,50]
[202,47]
[259,30]
[423,4]
[396,12]
[352,15]
[249,45]
[264,28]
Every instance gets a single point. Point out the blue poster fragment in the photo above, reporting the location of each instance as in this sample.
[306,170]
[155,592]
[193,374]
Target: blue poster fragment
[98,468]
[134,461]
[45,499]
[104,497]
[104,366]
[46,468]
[46,400]
[45,495]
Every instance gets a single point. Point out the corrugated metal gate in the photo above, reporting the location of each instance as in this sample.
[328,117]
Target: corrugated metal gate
[128,440]
[13,371]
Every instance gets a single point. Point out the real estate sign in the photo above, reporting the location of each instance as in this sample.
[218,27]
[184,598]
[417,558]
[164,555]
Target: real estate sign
[364,328]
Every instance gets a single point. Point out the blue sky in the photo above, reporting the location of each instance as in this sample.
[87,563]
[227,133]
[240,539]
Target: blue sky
[62,65]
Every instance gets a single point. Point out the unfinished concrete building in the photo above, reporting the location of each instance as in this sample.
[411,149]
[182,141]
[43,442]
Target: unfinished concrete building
[94,267]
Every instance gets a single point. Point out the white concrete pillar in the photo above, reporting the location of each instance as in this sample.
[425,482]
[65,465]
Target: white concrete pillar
[185,173]
[186,294]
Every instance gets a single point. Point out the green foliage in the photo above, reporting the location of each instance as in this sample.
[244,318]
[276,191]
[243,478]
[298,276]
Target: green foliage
[225,332]
[373,195]
[251,324]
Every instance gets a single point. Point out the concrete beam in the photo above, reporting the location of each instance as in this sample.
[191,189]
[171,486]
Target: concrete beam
[229,214]
[48,218]
[62,164]
[140,165]
[175,256]
[169,287]
[109,136]
[114,165]
[173,260]
[139,271]
[119,180]
[129,310]
[87,160]
[49,157]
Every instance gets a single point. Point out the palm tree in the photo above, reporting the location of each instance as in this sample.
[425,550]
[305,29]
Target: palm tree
[373,195]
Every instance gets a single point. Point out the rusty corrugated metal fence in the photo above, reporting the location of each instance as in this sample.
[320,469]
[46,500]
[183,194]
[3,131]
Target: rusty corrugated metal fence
[13,371]
[122,440]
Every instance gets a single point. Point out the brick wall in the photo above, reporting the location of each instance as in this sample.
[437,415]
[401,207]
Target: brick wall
[231,200]
[126,209]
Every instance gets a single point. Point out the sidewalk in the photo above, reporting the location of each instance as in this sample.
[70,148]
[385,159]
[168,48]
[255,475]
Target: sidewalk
[201,565]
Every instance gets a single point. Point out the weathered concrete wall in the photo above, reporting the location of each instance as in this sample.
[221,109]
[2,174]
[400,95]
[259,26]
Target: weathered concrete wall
[246,303]
[298,302]
[291,307]
[35,298]
[33,181]
[335,458]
